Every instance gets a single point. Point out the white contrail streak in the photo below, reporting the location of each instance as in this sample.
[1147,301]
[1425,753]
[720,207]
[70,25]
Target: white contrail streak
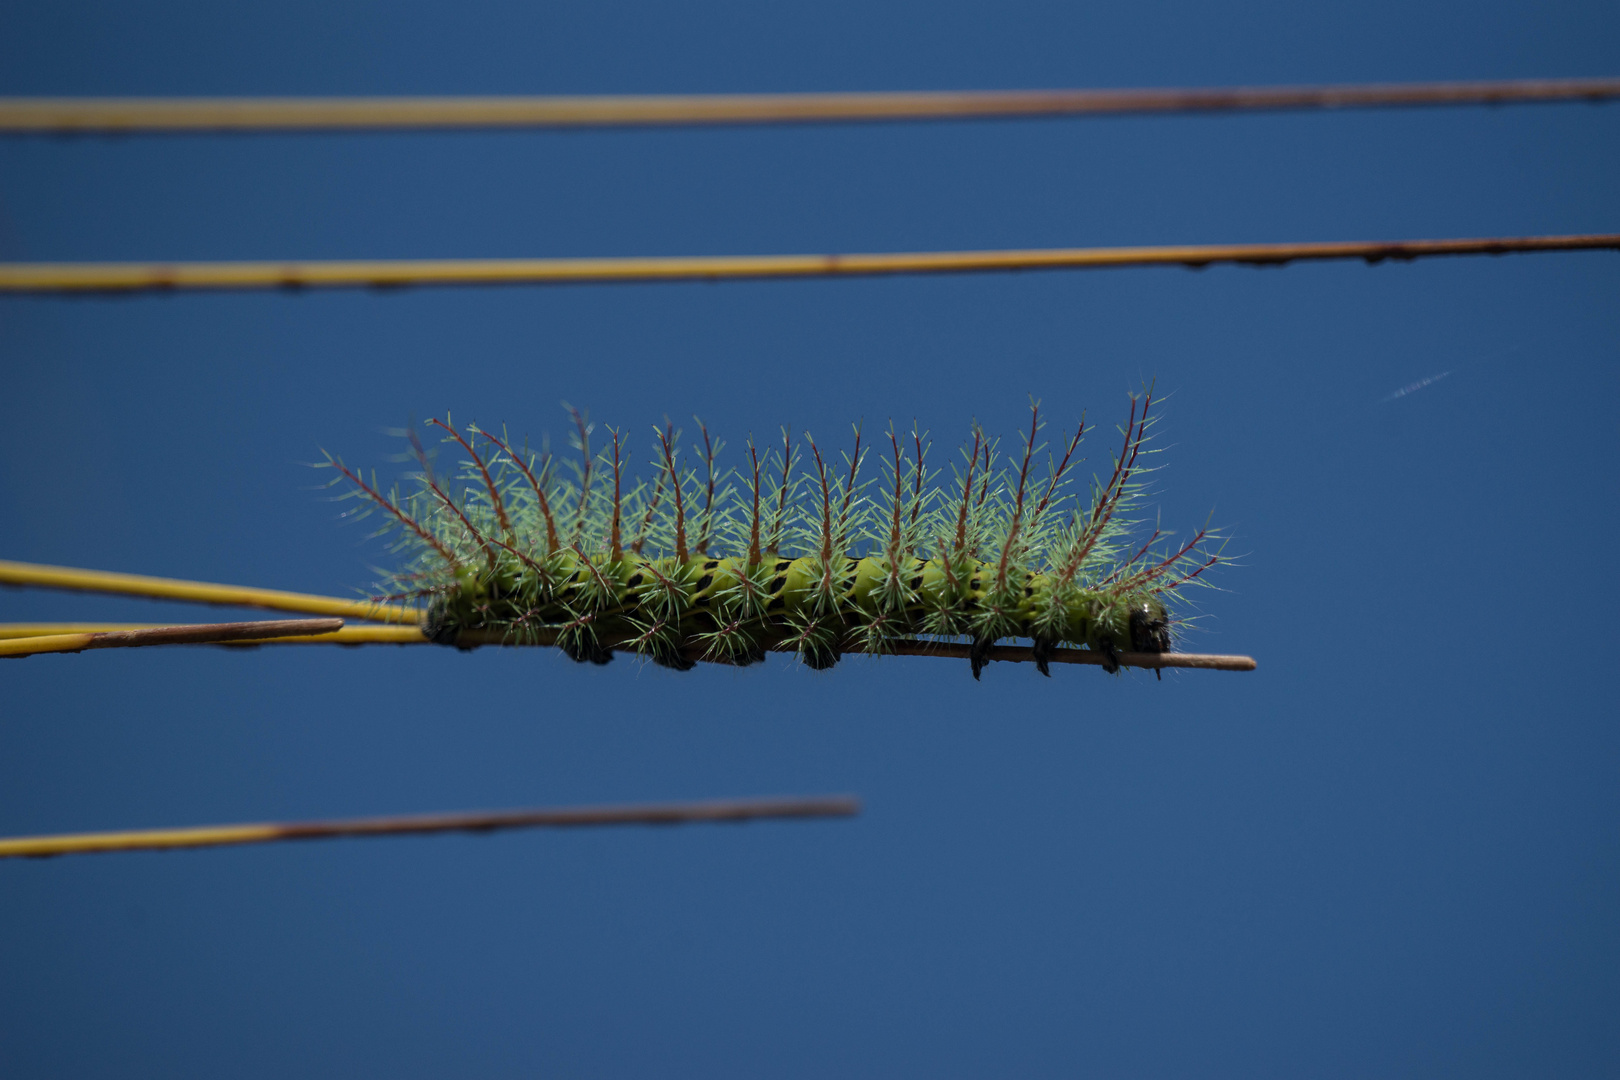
[1413,388]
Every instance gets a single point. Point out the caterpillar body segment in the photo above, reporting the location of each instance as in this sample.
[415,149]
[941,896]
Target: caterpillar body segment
[795,552]
[654,606]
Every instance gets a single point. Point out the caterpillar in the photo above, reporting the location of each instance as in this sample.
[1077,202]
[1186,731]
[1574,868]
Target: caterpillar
[792,551]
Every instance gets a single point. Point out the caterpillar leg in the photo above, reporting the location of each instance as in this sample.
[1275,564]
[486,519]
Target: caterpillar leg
[1042,652]
[979,655]
[671,659]
[817,642]
[582,650]
[818,657]
[1110,658]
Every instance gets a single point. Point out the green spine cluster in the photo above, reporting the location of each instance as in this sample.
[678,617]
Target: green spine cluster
[790,552]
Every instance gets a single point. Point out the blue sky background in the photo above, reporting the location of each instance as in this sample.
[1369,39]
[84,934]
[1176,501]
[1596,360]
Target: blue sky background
[1392,850]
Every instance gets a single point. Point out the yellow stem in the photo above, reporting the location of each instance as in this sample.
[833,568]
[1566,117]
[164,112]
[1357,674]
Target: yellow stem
[349,635]
[162,277]
[46,643]
[197,592]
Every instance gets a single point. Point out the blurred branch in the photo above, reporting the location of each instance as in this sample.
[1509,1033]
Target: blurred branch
[562,817]
[123,115]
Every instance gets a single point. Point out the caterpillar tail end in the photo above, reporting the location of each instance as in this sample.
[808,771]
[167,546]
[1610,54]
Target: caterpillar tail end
[440,628]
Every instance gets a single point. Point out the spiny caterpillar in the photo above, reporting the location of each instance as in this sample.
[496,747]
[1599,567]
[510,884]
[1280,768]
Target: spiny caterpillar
[791,552]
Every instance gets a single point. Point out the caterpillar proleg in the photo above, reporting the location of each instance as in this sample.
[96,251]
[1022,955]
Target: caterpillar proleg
[794,550]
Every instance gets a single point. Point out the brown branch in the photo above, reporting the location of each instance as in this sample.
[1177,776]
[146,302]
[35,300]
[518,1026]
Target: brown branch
[197,634]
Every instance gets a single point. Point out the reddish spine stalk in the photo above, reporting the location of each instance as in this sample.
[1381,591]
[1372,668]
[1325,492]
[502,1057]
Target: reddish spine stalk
[537,486]
[666,438]
[967,494]
[753,529]
[826,522]
[917,484]
[1018,502]
[984,482]
[893,552]
[1143,576]
[1127,564]
[646,520]
[708,502]
[401,516]
[478,537]
[483,470]
[1057,474]
[1103,512]
[1180,581]
[433,486]
[585,475]
[899,500]
[782,492]
[618,552]
[849,491]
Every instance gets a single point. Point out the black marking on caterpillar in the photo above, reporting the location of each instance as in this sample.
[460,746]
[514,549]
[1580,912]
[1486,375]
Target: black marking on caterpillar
[789,553]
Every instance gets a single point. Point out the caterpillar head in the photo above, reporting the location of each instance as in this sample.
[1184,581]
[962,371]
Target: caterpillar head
[1150,626]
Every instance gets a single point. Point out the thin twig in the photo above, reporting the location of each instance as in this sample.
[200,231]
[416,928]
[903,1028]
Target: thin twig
[729,810]
[122,115]
[165,277]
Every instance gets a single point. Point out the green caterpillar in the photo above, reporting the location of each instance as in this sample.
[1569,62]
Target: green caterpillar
[788,553]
